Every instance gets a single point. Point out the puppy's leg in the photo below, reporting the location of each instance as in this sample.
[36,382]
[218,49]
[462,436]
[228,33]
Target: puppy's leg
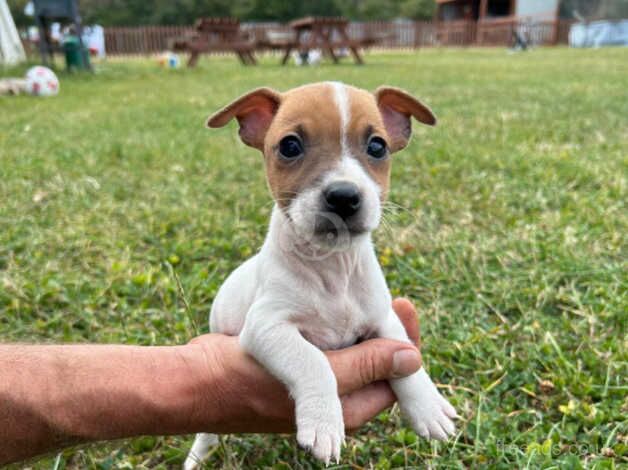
[202,443]
[425,409]
[278,345]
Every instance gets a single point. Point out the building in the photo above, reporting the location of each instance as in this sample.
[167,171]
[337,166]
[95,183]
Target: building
[495,21]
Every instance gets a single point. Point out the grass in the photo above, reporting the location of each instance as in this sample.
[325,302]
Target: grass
[510,237]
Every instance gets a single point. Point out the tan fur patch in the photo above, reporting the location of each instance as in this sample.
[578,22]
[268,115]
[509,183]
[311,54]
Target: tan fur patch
[309,112]
[366,121]
[333,121]
[312,113]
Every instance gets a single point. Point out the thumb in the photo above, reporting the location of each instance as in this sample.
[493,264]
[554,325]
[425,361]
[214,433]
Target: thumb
[373,360]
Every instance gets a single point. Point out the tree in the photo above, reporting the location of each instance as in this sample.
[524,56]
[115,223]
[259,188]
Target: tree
[17,11]
[285,10]
[387,9]
[145,12]
[418,9]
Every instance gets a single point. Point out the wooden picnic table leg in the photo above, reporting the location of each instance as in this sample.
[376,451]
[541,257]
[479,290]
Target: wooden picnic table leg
[332,54]
[251,56]
[296,46]
[326,38]
[356,55]
[193,58]
[242,57]
[286,55]
[352,48]
[289,47]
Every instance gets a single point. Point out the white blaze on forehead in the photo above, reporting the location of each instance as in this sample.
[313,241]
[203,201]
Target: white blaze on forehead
[342,102]
[307,203]
[348,168]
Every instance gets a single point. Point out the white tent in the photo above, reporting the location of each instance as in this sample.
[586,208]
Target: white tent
[11,50]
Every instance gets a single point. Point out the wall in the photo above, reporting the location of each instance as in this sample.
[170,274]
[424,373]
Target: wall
[545,9]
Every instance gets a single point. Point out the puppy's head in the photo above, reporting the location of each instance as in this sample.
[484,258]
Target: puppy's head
[327,150]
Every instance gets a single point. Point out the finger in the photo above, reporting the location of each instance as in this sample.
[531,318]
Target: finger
[407,314]
[373,360]
[364,404]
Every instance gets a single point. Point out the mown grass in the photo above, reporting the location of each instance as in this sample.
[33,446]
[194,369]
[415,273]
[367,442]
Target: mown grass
[509,233]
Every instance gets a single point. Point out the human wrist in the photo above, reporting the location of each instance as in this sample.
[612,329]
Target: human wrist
[208,393]
[237,394]
[170,392]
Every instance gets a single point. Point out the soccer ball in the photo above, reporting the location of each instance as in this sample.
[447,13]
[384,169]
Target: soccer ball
[41,81]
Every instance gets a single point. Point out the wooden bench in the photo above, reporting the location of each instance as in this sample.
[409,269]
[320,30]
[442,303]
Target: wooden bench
[216,35]
[327,34]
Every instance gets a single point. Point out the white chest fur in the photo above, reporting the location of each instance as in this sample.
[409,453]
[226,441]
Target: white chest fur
[335,298]
[286,307]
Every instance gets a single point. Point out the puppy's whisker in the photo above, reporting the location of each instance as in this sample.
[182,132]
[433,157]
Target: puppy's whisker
[386,227]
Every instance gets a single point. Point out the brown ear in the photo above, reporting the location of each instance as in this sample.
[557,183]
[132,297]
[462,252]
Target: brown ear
[396,107]
[254,112]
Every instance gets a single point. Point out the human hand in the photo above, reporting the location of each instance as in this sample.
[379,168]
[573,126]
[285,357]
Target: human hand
[235,394]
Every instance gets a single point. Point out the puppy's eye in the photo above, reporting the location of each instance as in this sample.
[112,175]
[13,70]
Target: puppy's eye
[376,148]
[290,147]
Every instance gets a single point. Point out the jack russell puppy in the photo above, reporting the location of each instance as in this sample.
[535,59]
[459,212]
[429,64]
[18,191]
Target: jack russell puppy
[316,283]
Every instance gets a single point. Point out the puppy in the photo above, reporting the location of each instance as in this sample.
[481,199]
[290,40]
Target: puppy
[316,283]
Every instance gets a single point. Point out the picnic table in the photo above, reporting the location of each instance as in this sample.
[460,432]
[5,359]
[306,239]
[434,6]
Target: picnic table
[325,33]
[216,35]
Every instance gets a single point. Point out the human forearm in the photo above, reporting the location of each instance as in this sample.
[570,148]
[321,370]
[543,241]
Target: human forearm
[53,396]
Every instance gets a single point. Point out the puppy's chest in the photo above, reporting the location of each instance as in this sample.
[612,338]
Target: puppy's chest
[337,321]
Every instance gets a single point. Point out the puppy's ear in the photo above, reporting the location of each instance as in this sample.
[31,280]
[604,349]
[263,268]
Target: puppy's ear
[254,112]
[396,107]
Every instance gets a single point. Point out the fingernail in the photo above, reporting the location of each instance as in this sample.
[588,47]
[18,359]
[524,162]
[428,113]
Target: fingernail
[406,362]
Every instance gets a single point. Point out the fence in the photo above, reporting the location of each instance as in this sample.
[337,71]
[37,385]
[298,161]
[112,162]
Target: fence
[147,40]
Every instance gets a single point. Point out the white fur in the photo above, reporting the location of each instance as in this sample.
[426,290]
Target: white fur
[305,207]
[341,97]
[297,297]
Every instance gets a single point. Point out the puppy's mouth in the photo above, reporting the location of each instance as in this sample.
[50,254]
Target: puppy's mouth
[323,234]
[331,227]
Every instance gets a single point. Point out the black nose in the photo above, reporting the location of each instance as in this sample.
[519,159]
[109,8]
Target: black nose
[342,198]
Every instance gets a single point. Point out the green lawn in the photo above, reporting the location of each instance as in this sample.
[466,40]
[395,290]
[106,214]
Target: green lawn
[509,234]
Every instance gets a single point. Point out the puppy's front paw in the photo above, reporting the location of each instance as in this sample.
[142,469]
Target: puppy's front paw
[427,412]
[321,428]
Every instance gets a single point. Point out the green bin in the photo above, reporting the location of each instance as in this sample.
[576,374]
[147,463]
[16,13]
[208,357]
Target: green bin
[75,58]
